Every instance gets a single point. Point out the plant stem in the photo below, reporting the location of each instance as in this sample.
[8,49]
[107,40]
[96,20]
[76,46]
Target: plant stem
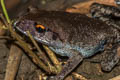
[5,11]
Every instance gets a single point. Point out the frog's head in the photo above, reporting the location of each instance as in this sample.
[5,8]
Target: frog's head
[39,32]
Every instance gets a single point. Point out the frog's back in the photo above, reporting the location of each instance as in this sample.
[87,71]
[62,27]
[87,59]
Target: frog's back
[76,31]
[73,27]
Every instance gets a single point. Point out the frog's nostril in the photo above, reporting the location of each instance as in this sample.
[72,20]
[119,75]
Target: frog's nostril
[15,23]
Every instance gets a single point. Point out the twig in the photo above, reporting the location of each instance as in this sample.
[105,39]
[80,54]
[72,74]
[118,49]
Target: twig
[30,53]
[24,45]
[53,59]
[78,76]
[14,60]
[52,68]
[42,55]
[5,37]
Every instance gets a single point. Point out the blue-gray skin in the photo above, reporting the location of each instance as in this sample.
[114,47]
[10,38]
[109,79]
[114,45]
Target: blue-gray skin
[71,34]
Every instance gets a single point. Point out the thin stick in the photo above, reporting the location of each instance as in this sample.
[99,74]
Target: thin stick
[78,76]
[52,69]
[22,43]
[30,53]
[14,60]
[42,55]
[26,48]
[53,58]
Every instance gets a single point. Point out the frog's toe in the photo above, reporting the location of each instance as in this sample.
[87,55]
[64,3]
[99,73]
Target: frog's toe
[108,65]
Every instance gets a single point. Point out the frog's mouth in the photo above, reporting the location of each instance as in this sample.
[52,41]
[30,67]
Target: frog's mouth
[39,33]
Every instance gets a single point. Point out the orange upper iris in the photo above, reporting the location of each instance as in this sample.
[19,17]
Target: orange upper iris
[40,26]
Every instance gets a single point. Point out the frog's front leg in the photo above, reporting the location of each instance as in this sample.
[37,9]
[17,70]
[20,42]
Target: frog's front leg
[72,62]
[111,58]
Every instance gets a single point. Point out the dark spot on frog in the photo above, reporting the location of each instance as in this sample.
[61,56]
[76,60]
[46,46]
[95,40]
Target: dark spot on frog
[54,36]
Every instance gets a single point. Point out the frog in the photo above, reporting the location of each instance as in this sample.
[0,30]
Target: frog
[74,35]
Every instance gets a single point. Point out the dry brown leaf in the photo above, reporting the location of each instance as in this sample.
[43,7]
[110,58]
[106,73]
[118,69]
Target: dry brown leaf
[84,7]
[115,78]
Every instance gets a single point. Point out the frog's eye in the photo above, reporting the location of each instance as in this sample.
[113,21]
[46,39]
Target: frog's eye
[40,28]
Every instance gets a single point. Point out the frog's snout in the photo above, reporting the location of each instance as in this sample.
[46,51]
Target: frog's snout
[15,23]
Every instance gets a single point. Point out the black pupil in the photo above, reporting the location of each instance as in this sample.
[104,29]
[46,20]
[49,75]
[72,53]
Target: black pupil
[39,29]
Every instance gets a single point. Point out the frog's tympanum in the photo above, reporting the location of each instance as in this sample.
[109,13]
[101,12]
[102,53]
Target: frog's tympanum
[74,35]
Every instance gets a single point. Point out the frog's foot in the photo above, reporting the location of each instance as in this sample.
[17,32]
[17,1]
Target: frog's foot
[111,59]
[69,66]
[108,14]
[98,10]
